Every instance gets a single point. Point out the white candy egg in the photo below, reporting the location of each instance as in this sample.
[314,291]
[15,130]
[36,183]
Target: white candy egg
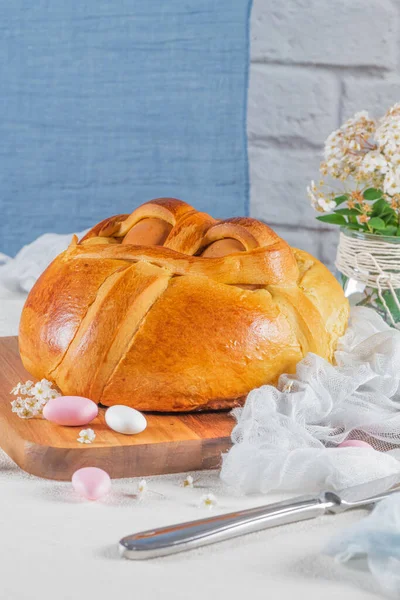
[125,419]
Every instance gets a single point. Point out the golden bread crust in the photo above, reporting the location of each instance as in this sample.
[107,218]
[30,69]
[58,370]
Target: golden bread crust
[221,307]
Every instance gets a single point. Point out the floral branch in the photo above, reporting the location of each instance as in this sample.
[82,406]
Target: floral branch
[364,155]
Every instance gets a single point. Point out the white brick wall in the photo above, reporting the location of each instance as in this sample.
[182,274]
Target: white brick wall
[313,64]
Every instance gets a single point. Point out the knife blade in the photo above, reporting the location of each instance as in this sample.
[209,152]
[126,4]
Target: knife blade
[193,534]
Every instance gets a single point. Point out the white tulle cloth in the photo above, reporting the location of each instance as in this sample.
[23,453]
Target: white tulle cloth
[377,538]
[286,437]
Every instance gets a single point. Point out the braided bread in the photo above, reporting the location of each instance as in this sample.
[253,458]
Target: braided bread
[168,309]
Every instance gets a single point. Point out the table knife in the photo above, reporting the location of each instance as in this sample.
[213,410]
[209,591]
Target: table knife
[216,528]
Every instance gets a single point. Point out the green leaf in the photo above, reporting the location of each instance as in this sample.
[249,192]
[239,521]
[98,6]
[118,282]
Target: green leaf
[390,220]
[389,230]
[341,199]
[356,227]
[372,194]
[381,208]
[377,223]
[347,211]
[333,219]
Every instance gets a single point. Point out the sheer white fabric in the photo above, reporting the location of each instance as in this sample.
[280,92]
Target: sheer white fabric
[377,538]
[285,437]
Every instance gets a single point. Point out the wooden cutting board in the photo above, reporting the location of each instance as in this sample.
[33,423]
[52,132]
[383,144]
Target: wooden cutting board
[170,444]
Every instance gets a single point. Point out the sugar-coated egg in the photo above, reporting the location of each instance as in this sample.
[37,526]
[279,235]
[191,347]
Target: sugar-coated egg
[355,444]
[125,419]
[70,410]
[91,482]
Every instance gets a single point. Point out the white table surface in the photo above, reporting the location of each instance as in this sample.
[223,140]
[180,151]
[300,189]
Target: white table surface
[55,546]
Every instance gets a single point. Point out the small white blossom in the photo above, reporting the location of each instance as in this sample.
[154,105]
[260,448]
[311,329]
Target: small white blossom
[31,402]
[395,158]
[208,501]
[345,147]
[334,165]
[86,436]
[364,153]
[374,161]
[326,205]
[17,404]
[33,398]
[17,389]
[142,487]
[319,200]
[312,193]
[25,408]
[387,134]
[26,413]
[22,388]
[43,390]
[391,184]
[361,115]
[188,482]
[393,110]
[334,147]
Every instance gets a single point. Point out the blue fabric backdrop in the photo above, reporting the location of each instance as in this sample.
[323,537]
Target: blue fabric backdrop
[105,104]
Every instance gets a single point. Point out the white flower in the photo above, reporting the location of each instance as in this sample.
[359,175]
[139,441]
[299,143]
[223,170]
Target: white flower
[334,146]
[38,391]
[359,126]
[359,116]
[17,389]
[22,388]
[387,134]
[395,109]
[374,161]
[188,482]
[25,408]
[35,397]
[318,200]
[334,164]
[326,205]
[86,436]
[391,184]
[31,402]
[17,404]
[26,413]
[142,487]
[208,501]
[312,194]
[395,158]
[344,148]
[44,390]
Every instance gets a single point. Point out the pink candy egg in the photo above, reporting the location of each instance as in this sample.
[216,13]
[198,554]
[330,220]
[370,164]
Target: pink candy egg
[91,483]
[354,443]
[70,410]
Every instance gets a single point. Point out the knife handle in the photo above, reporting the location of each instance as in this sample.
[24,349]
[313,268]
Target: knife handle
[186,536]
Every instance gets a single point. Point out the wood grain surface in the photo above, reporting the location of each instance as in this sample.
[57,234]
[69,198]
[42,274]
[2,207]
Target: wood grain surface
[171,443]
